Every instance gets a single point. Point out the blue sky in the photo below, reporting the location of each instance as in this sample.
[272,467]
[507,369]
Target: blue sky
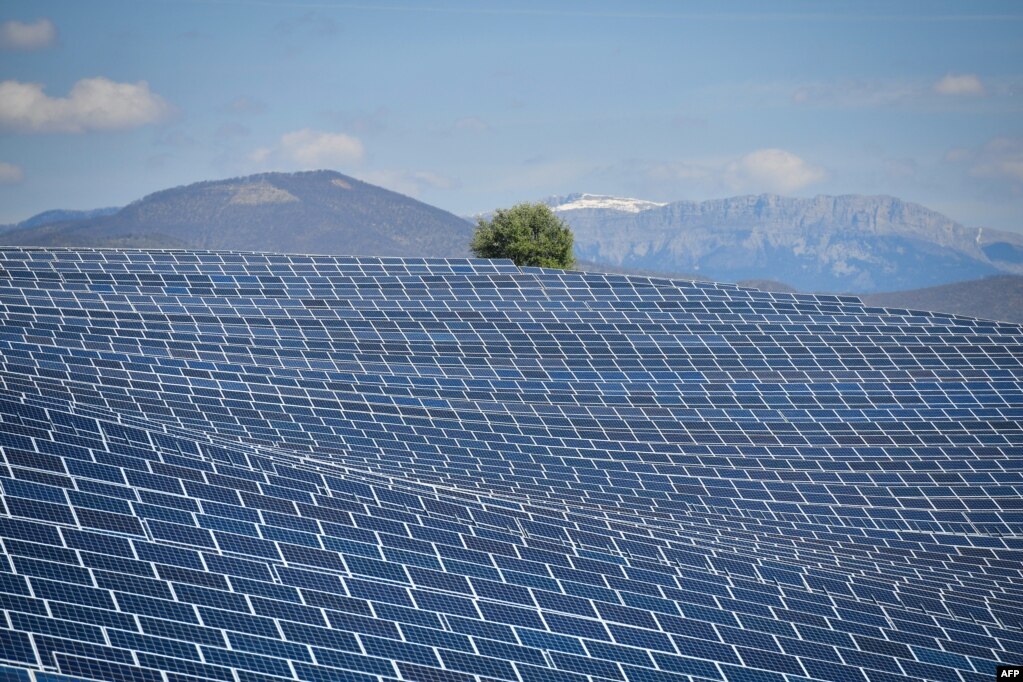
[474,105]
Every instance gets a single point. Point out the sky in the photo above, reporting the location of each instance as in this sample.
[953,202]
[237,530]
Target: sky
[471,106]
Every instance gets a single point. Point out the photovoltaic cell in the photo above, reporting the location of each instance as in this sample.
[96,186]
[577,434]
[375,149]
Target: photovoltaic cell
[255,467]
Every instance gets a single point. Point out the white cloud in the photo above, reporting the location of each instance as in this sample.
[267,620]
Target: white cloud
[960,85]
[10,174]
[772,170]
[92,104]
[308,149]
[314,149]
[15,35]
[409,182]
[261,156]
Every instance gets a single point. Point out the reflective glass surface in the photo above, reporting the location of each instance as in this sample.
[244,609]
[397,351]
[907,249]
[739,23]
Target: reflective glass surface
[254,468]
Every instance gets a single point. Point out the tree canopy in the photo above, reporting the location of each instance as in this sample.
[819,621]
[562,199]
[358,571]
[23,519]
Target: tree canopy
[528,234]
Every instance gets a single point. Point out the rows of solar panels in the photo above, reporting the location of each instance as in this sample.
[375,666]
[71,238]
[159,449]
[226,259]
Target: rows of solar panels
[254,468]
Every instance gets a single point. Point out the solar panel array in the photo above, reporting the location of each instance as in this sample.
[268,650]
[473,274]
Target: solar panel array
[253,468]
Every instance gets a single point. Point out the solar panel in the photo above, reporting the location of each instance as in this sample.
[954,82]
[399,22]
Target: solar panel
[255,467]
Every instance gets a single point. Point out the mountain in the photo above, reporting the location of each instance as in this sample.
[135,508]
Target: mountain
[855,244]
[762,284]
[991,298]
[59,215]
[310,212]
[999,297]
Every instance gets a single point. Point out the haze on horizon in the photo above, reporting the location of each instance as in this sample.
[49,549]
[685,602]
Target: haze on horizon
[473,105]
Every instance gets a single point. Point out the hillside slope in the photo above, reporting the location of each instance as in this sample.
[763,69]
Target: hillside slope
[991,298]
[312,212]
[854,244]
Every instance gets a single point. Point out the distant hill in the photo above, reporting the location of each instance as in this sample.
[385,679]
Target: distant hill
[312,212]
[852,244]
[991,298]
[889,251]
[59,216]
[761,284]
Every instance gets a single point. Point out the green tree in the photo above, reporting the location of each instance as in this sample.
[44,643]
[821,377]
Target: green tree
[528,234]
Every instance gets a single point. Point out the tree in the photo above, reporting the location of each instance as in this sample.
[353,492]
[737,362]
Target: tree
[528,234]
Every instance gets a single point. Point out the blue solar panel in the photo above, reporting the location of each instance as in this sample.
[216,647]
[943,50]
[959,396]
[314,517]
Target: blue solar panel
[257,467]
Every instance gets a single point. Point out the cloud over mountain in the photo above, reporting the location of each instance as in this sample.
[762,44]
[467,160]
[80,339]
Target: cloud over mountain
[309,149]
[772,170]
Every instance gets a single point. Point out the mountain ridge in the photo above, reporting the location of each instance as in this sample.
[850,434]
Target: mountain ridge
[60,215]
[849,243]
[999,297]
[312,211]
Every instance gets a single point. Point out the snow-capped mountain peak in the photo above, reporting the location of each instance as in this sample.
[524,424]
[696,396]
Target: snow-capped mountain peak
[574,202]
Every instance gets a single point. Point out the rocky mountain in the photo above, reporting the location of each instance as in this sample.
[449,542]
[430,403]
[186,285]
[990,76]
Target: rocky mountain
[854,244]
[893,252]
[312,212]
